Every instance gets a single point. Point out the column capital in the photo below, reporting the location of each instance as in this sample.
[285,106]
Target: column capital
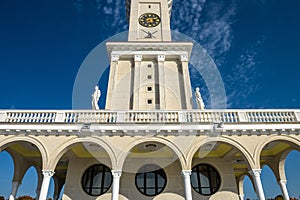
[184,58]
[186,172]
[160,58]
[114,57]
[116,173]
[282,181]
[255,172]
[48,173]
[138,57]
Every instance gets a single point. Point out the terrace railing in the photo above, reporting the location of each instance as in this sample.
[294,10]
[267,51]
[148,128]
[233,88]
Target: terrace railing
[157,116]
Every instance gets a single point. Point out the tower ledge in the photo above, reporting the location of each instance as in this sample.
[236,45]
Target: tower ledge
[147,48]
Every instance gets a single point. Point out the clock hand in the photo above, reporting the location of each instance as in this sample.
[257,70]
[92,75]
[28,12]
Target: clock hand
[153,32]
[145,31]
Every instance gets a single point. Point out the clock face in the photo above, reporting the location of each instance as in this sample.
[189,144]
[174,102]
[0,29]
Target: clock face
[149,20]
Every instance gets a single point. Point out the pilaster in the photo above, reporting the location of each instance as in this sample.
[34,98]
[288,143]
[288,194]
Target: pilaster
[114,58]
[137,81]
[161,80]
[186,80]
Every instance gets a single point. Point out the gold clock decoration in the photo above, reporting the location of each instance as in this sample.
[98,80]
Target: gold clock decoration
[149,20]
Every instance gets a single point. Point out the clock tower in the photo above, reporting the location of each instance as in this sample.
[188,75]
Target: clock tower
[149,20]
[149,71]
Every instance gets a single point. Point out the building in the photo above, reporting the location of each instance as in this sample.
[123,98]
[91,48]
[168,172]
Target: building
[149,142]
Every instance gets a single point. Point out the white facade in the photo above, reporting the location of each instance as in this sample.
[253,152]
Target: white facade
[149,142]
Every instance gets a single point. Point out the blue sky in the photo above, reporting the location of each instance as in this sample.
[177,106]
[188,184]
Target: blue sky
[255,44]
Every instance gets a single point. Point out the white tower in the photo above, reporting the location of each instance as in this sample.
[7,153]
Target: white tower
[149,71]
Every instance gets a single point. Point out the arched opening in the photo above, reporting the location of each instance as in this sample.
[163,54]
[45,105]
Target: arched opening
[79,173]
[220,165]
[29,183]
[269,182]
[152,169]
[292,173]
[274,154]
[6,173]
[248,188]
[26,157]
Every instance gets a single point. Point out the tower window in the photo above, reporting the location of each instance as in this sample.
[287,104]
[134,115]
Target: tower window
[149,65]
[149,77]
[149,6]
[149,89]
[149,101]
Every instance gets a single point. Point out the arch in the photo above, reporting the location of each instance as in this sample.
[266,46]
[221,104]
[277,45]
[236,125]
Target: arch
[122,157]
[30,178]
[43,151]
[263,143]
[248,187]
[68,145]
[269,181]
[281,164]
[245,153]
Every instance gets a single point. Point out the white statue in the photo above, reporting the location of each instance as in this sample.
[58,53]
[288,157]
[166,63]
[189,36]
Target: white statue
[199,100]
[95,98]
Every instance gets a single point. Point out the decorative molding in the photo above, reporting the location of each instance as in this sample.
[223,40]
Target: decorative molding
[161,58]
[114,58]
[184,58]
[255,172]
[48,173]
[138,58]
[116,173]
[186,173]
[282,182]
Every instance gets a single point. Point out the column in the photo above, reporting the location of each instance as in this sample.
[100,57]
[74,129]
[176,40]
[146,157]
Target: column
[47,174]
[240,182]
[187,184]
[14,190]
[241,196]
[114,58]
[255,173]
[116,184]
[161,81]
[136,81]
[186,80]
[282,184]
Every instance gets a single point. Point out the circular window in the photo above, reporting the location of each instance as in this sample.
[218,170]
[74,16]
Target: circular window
[151,180]
[96,180]
[205,179]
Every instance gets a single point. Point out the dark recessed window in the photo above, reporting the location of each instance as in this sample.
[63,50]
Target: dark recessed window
[96,180]
[149,65]
[205,179]
[149,6]
[149,101]
[150,180]
[149,77]
[149,89]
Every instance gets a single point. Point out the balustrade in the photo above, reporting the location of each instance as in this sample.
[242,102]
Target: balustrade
[156,116]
